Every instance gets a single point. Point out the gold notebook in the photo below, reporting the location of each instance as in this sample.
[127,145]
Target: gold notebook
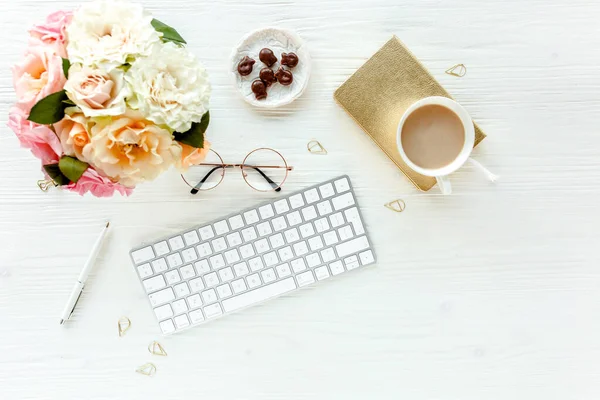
[377,95]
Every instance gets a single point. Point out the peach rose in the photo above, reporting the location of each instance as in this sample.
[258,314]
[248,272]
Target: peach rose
[192,155]
[53,31]
[130,149]
[39,75]
[73,133]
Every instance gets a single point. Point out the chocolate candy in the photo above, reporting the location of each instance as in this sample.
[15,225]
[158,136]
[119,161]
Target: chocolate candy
[245,66]
[267,57]
[267,76]
[289,59]
[284,77]
[259,89]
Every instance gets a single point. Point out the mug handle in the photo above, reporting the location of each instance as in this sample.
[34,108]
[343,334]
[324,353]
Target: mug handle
[444,184]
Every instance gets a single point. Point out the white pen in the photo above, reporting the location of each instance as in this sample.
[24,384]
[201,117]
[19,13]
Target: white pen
[78,289]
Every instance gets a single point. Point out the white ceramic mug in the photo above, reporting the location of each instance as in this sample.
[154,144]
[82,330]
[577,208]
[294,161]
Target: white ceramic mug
[441,174]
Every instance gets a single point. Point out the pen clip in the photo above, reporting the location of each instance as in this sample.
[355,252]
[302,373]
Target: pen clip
[76,301]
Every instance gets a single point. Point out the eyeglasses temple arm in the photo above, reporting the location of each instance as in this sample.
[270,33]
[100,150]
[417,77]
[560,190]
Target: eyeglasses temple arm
[196,188]
[275,186]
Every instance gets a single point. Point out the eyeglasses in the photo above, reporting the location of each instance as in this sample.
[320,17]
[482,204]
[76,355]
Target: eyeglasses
[263,169]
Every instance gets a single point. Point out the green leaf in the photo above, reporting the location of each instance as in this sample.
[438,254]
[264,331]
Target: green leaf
[169,34]
[195,136]
[50,109]
[53,172]
[66,64]
[72,168]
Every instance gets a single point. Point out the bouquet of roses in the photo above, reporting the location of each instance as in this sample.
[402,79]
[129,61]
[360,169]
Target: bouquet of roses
[108,97]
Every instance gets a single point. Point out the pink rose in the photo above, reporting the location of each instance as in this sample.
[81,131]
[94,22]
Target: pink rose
[97,185]
[39,75]
[42,142]
[53,32]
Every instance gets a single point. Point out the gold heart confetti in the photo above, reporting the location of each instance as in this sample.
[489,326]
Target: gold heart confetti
[147,369]
[458,70]
[315,147]
[156,349]
[124,324]
[396,205]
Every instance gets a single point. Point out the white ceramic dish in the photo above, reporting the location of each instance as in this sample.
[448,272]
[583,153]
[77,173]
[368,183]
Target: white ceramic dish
[280,41]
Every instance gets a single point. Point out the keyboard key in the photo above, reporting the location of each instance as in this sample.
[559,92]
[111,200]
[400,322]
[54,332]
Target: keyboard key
[262,246]
[234,239]
[191,238]
[217,261]
[343,201]
[353,217]
[236,222]
[196,285]
[211,279]
[160,265]
[221,228]
[196,316]
[324,208]
[337,220]
[226,274]
[173,277]
[311,196]
[270,259]
[296,201]
[251,217]
[163,312]
[145,270]
[167,326]
[187,272]
[315,243]
[345,233]
[219,244]
[336,267]
[281,206]
[283,270]
[322,273]
[328,255]
[326,190]
[176,243]
[291,235]
[249,234]
[353,246]
[161,248]
[305,278]
[253,280]
[286,254]
[298,265]
[241,269]
[204,250]
[238,286]
[330,238]
[268,275]
[224,291]
[202,267]
[154,284]
[307,230]
[294,218]
[342,185]
[182,321]
[206,232]
[264,229]
[179,306]
[367,257]
[266,211]
[279,224]
[309,213]
[181,290]
[247,251]
[260,294]
[322,225]
[232,256]
[276,241]
[194,301]
[213,311]
[174,260]
[256,264]
[189,255]
[351,262]
[300,248]
[164,296]
[313,260]
[209,296]
[143,255]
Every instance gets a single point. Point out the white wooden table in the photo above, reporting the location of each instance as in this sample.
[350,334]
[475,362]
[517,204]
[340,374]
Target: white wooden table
[492,293]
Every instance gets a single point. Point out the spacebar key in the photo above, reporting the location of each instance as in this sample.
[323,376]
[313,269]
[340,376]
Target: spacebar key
[258,295]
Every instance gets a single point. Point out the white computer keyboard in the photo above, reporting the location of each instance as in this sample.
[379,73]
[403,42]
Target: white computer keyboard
[254,255]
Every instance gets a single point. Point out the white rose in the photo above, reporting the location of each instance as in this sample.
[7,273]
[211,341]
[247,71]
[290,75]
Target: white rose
[96,92]
[170,87]
[109,33]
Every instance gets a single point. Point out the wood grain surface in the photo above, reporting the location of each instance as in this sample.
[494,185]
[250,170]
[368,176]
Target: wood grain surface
[491,293]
